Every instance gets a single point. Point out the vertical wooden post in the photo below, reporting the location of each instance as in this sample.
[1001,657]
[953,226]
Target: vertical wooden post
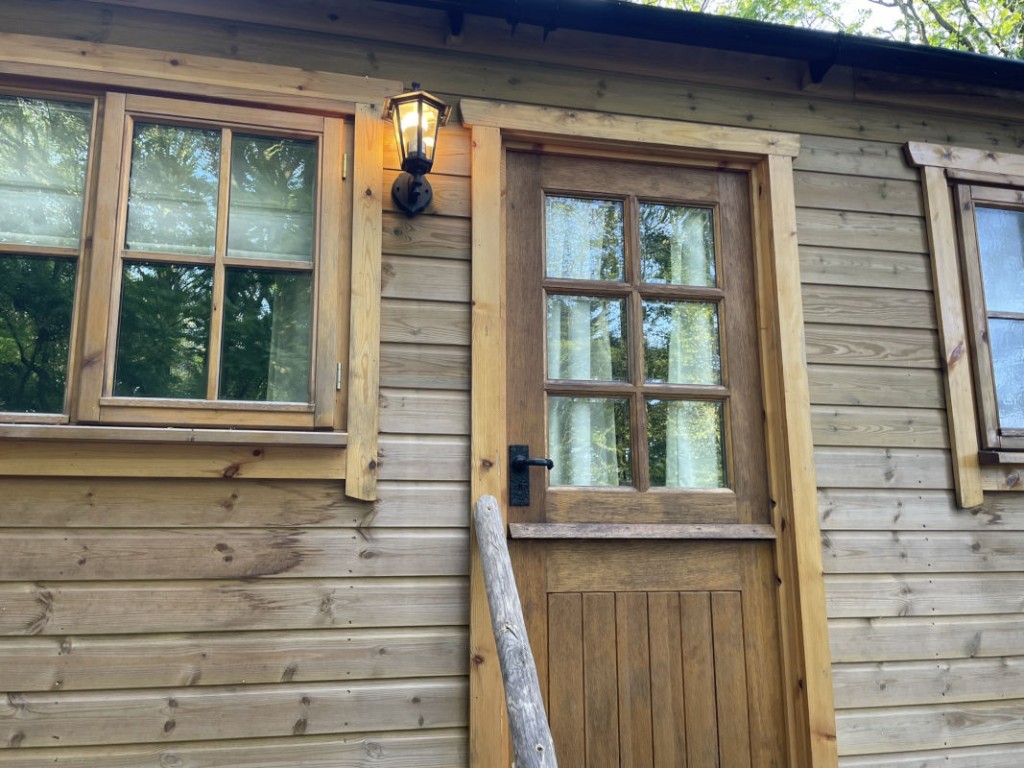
[531,735]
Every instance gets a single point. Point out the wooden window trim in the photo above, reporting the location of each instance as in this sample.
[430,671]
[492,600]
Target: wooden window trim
[87,68]
[956,275]
[767,156]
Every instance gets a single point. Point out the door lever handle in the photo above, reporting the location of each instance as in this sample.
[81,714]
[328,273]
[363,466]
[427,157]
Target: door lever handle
[519,463]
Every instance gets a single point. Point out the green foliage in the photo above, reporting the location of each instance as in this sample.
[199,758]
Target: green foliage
[994,27]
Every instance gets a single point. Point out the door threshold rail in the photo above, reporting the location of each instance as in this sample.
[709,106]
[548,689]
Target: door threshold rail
[611,531]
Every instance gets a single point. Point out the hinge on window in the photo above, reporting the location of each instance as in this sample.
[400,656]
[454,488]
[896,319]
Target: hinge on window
[344,165]
[337,381]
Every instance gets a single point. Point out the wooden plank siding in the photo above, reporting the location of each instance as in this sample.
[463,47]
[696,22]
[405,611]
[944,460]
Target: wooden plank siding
[233,623]
[155,622]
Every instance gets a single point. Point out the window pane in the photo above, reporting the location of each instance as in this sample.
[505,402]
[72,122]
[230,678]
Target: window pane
[1001,242]
[584,239]
[586,339]
[681,342]
[686,446]
[677,245]
[172,200]
[1006,338]
[164,331]
[36,295]
[588,440]
[44,147]
[271,211]
[267,329]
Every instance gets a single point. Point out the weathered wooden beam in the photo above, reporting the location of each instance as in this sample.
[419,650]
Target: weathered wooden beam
[531,735]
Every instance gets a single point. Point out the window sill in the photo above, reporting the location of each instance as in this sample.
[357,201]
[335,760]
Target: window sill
[172,435]
[101,451]
[988,458]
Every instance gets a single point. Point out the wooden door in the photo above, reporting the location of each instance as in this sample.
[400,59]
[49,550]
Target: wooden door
[645,558]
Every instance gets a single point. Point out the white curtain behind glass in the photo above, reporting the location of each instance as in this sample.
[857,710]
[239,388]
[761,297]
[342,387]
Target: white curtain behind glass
[688,266]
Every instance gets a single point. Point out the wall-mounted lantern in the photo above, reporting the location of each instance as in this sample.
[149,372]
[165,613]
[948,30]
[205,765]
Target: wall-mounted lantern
[417,116]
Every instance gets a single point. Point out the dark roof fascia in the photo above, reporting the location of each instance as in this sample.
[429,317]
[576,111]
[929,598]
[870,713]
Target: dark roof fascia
[821,50]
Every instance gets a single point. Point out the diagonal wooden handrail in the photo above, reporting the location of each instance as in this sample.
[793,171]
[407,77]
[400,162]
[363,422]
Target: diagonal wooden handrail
[528,723]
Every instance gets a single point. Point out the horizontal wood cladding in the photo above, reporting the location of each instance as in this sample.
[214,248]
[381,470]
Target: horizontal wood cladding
[881,639]
[132,607]
[409,411]
[883,427]
[922,552]
[431,236]
[87,554]
[883,468]
[824,265]
[889,684]
[939,726]
[866,385]
[430,279]
[867,345]
[866,194]
[939,594]
[851,157]
[441,748]
[909,510]
[77,663]
[424,366]
[156,503]
[857,305]
[999,756]
[127,717]
[873,231]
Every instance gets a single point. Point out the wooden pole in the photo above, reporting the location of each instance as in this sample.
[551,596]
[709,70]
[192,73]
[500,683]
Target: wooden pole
[531,735]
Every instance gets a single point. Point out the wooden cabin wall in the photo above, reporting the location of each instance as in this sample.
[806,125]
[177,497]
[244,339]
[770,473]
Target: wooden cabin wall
[220,623]
[924,600]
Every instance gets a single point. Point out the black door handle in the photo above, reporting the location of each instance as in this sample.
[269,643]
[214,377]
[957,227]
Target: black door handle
[519,463]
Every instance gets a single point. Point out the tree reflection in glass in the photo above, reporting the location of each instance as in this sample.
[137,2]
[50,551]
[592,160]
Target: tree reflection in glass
[685,443]
[267,336]
[172,200]
[677,245]
[164,330]
[584,239]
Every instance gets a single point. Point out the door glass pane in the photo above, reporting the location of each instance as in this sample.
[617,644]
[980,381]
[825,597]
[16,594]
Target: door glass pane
[586,339]
[267,329]
[44,148]
[1001,242]
[685,439]
[584,239]
[271,211]
[677,245]
[588,440]
[164,331]
[172,198]
[1006,338]
[681,342]
[36,294]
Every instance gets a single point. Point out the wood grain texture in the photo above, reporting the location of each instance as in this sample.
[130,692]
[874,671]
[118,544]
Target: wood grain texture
[923,594]
[883,468]
[873,385]
[440,237]
[440,748]
[87,554]
[424,322]
[825,265]
[891,684]
[998,756]
[124,717]
[896,510]
[832,154]
[438,457]
[634,671]
[212,606]
[871,231]
[858,345]
[419,277]
[424,366]
[881,427]
[168,661]
[857,193]
[409,411]
[667,697]
[940,726]
[885,307]
[916,638]
[566,698]
[922,552]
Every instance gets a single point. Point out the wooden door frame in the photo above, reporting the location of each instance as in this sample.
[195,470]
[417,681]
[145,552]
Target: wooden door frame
[768,158]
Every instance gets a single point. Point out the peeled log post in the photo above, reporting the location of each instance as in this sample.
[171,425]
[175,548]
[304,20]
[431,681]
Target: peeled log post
[531,736]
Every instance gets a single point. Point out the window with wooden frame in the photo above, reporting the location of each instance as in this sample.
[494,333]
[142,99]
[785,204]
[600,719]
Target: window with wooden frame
[991,226]
[205,243]
[974,200]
